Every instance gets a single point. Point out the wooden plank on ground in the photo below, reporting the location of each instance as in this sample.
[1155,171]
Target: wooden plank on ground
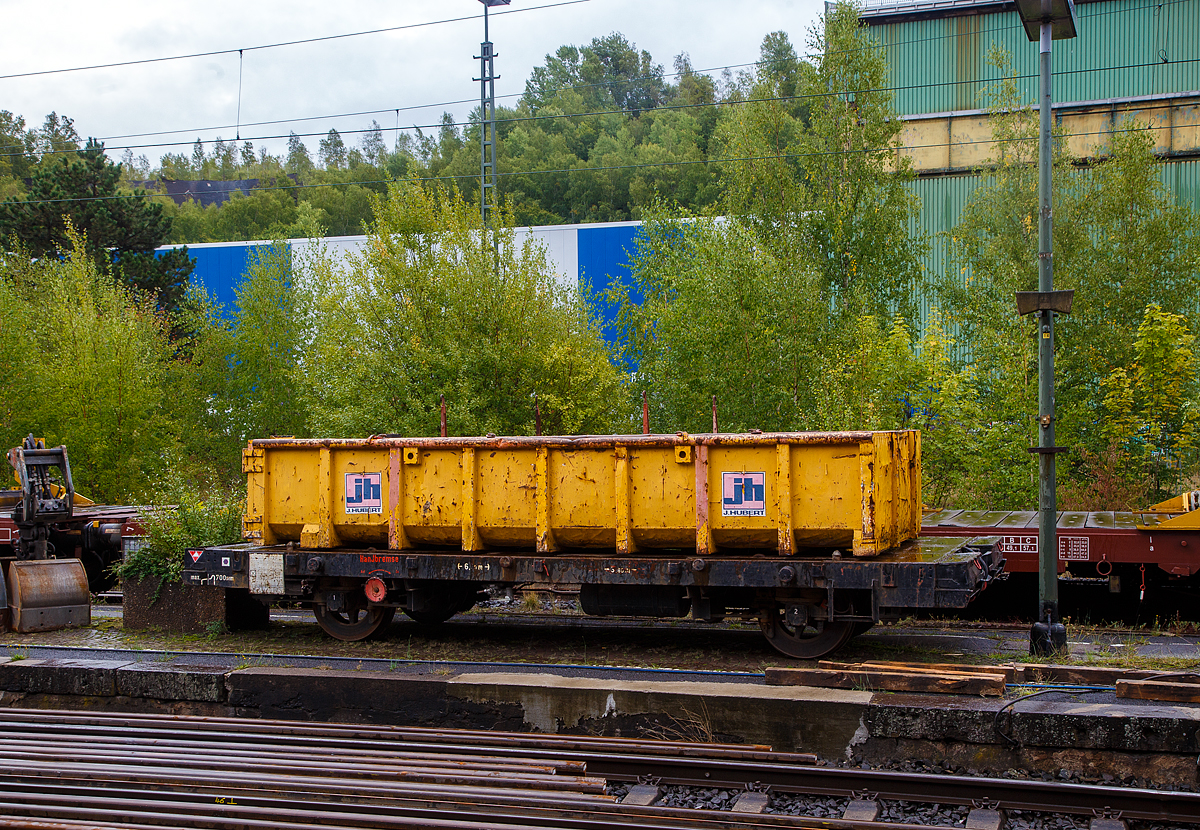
[1078,675]
[890,681]
[1159,690]
[1007,672]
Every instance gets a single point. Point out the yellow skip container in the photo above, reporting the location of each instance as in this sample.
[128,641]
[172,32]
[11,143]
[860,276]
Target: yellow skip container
[780,492]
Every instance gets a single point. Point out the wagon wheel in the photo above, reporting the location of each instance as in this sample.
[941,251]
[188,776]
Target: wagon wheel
[356,623]
[816,639]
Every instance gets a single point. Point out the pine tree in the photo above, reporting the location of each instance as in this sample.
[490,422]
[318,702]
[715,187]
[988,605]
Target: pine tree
[121,230]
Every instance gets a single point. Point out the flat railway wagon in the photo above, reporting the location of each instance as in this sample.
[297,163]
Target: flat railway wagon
[815,535]
[1110,563]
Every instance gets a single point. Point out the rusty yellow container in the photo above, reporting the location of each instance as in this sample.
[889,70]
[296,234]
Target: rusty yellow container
[785,492]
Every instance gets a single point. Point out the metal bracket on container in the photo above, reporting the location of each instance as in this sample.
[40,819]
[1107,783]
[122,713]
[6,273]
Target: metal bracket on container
[252,460]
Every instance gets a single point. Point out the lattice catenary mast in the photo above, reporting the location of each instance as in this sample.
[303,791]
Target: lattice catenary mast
[487,117]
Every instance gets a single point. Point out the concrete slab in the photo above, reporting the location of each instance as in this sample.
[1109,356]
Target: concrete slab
[91,678]
[752,802]
[984,819]
[361,697]
[642,795]
[161,681]
[861,809]
[789,718]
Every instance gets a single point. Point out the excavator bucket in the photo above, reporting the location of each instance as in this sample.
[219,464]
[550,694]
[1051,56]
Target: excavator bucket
[47,594]
[43,593]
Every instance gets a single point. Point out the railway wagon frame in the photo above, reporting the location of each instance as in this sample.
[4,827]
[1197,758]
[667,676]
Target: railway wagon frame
[813,534]
[807,606]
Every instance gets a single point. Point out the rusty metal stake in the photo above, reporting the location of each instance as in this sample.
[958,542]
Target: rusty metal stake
[443,433]
[715,430]
[537,415]
[645,414]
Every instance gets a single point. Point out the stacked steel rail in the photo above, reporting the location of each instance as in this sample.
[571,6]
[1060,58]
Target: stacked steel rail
[71,769]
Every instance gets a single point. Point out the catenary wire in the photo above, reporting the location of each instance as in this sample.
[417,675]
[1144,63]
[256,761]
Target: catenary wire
[666,107]
[282,43]
[873,44]
[386,110]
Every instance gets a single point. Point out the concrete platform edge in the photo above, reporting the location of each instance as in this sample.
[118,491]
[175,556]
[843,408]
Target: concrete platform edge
[1076,736]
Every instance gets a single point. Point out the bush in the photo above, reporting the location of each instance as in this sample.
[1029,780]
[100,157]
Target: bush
[193,521]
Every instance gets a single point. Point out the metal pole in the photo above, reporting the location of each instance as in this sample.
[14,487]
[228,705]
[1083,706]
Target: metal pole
[487,122]
[487,140]
[1051,638]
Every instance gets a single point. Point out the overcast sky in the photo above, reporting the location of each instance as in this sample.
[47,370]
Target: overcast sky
[419,70]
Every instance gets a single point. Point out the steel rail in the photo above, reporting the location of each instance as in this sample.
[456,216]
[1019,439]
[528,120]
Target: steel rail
[547,782]
[525,746]
[377,815]
[134,747]
[627,760]
[292,786]
[63,719]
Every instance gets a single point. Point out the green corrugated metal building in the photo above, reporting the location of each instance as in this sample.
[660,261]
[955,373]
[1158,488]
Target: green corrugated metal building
[1131,57]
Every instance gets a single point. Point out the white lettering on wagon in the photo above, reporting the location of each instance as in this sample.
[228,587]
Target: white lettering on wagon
[1019,544]
[1074,548]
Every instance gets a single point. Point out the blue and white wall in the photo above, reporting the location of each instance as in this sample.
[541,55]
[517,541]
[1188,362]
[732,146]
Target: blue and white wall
[588,256]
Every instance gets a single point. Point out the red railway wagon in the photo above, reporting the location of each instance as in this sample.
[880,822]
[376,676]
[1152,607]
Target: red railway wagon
[1089,544]
[1151,557]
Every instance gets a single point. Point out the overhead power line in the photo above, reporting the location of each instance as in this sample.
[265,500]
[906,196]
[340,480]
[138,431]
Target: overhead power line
[281,43]
[663,108]
[386,110]
[876,43]
[883,43]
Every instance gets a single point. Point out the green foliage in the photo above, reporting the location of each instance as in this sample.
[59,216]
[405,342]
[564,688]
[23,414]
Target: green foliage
[183,518]
[120,232]
[269,331]
[943,402]
[429,308]
[1121,243]
[857,221]
[869,384]
[609,73]
[1150,408]
[702,328]
[778,307]
[86,364]
[17,156]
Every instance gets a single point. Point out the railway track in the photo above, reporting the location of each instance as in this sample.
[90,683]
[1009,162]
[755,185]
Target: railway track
[70,769]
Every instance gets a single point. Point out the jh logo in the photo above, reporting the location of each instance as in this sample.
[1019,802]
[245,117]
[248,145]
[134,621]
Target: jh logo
[744,494]
[364,492]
